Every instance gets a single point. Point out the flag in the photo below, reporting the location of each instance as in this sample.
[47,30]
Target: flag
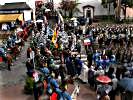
[54,38]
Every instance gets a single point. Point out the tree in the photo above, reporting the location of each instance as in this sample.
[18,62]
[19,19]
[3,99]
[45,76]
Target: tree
[70,7]
[73,8]
[125,4]
[64,5]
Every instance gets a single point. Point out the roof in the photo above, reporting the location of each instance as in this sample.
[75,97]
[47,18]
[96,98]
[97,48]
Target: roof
[15,6]
[9,17]
[86,6]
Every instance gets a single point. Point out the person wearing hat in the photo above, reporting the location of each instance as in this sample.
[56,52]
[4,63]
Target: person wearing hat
[114,87]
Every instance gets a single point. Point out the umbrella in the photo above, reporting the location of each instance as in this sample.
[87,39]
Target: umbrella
[103,79]
[126,83]
[87,42]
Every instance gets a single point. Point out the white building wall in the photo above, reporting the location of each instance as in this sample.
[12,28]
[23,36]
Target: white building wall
[99,10]
[31,3]
[27,15]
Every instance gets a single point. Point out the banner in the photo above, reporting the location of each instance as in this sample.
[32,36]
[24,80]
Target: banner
[54,38]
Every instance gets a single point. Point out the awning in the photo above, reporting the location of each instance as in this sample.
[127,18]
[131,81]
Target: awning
[10,17]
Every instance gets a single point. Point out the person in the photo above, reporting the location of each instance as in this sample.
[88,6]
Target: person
[28,52]
[70,42]
[91,72]
[100,71]
[38,86]
[84,73]
[89,58]
[4,27]
[79,65]
[9,61]
[62,72]
[102,91]
[62,94]
[110,72]
[105,98]
[29,65]
[78,46]
[114,87]
[15,51]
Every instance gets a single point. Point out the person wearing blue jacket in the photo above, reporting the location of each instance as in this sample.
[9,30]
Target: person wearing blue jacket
[79,65]
[63,95]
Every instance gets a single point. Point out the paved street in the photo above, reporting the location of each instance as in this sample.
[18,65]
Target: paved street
[86,93]
[12,82]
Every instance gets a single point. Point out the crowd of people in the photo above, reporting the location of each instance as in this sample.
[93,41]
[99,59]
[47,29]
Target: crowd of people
[54,59]
[110,54]
[55,63]
[12,47]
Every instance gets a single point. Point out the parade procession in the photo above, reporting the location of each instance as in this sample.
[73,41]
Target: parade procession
[49,52]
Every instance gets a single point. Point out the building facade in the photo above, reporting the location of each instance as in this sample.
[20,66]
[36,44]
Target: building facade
[27,14]
[90,8]
[93,8]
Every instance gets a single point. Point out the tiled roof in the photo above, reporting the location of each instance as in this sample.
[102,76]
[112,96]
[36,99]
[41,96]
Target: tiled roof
[14,6]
